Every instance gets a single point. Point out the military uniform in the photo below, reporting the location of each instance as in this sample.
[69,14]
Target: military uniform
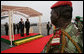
[70,29]
[80,31]
[80,27]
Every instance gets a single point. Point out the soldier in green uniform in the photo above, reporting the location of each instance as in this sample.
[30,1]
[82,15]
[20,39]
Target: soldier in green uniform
[80,31]
[77,19]
[80,24]
[61,16]
[80,27]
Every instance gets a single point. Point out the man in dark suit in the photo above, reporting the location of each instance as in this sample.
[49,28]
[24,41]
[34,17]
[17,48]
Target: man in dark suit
[14,27]
[48,28]
[21,24]
[27,26]
[17,25]
[6,28]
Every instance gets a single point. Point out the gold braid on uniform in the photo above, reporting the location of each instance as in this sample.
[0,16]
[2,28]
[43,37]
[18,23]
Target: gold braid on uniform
[69,37]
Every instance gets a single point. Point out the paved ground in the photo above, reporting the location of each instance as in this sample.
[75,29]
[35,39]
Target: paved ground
[5,46]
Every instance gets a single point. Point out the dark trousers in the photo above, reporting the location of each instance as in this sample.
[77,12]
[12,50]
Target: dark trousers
[22,32]
[14,31]
[48,31]
[27,31]
[6,32]
[17,31]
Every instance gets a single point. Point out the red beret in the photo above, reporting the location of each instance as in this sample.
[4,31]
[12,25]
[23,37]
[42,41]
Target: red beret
[62,3]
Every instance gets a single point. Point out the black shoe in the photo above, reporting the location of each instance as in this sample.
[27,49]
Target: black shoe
[22,35]
[27,34]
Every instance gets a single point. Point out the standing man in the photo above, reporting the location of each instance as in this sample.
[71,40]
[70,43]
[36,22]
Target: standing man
[27,26]
[48,28]
[14,28]
[81,24]
[6,28]
[81,34]
[21,24]
[77,20]
[17,25]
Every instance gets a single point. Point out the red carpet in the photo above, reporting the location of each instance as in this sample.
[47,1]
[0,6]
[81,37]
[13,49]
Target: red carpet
[17,36]
[35,46]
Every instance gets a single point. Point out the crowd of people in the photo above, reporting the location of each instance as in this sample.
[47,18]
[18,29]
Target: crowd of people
[19,26]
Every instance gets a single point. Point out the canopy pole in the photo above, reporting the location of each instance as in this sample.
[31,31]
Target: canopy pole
[12,24]
[10,28]
[40,24]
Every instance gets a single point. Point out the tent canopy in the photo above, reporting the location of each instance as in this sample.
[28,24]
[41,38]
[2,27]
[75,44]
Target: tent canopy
[26,10]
